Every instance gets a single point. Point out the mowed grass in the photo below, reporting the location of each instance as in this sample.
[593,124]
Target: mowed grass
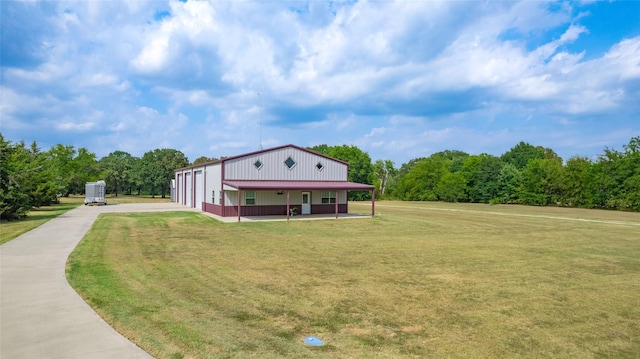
[419,280]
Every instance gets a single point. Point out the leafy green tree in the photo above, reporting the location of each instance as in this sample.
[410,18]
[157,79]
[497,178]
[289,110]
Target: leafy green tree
[360,168]
[481,173]
[60,162]
[203,159]
[541,182]
[40,182]
[117,168]
[86,169]
[14,200]
[578,183]
[71,168]
[508,183]
[384,174]
[523,152]
[137,176]
[619,177]
[420,182]
[456,157]
[158,166]
[451,187]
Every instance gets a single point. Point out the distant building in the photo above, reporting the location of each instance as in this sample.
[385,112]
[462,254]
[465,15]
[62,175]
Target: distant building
[282,180]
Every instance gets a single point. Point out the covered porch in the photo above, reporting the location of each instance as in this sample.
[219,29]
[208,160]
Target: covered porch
[294,198]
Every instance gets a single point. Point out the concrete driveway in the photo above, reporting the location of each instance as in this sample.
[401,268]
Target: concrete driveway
[41,316]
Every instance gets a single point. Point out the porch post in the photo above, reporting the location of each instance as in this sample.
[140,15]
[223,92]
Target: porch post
[288,207]
[373,203]
[239,204]
[337,201]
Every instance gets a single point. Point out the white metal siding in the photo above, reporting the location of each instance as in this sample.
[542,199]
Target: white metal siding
[267,198]
[179,188]
[189,192]
[214,182]
[274,169]
[230,198]
[199,189]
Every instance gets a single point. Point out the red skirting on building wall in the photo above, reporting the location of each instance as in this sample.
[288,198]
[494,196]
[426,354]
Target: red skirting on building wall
[271,210]
[213,208]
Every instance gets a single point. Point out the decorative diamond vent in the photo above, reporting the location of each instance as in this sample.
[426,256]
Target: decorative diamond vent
[290,162]
[258,164]
[319,166]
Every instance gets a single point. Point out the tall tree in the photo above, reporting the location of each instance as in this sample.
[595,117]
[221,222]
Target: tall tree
[541,182]
[508,183]
[158,168]
[117,168]
[60,162]
[203,159]
[481,173]
[578,183]
[384,173]
[522,153]
[360,169]
[421,181]
[14,199]
[451,187]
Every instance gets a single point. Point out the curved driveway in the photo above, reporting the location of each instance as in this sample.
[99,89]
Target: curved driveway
[41,316]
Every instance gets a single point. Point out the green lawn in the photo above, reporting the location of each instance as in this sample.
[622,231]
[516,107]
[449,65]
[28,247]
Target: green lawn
[419,280]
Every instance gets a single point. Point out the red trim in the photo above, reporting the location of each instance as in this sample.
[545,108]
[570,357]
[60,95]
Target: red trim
[373,203]
[288,206]
[204,185]
[239,206]
[222,187]
[298,185]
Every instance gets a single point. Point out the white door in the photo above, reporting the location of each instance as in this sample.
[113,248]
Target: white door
[189,192]
[306,203]
[199,190]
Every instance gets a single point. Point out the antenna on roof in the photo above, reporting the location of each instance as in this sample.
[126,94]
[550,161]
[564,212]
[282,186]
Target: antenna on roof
[260,119]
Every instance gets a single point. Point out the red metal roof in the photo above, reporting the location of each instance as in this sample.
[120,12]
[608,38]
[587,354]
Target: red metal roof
[298,185]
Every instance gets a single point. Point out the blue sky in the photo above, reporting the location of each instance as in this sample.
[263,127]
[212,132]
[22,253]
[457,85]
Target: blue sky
[398,79]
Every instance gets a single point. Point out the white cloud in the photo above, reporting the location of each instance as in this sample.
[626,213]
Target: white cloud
[386,75]
[70,124]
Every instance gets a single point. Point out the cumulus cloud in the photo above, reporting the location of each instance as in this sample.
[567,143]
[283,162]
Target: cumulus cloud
[385,75]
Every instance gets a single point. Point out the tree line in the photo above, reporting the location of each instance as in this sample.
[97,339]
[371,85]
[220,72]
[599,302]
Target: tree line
[31,177]
[525,174]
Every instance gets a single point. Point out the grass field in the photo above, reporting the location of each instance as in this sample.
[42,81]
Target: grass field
[419,280]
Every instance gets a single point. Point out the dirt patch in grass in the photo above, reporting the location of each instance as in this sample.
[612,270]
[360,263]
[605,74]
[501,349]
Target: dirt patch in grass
[412,282]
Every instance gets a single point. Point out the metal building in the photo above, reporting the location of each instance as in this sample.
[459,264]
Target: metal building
[285,180]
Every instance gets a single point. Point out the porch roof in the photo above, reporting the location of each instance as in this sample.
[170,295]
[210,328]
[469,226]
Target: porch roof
[297,185]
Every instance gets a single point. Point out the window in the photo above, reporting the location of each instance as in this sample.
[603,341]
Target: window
[213,196]
[328,197]
[319,166]
[220,197]
[250,198]
[289,162]
[258,164]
